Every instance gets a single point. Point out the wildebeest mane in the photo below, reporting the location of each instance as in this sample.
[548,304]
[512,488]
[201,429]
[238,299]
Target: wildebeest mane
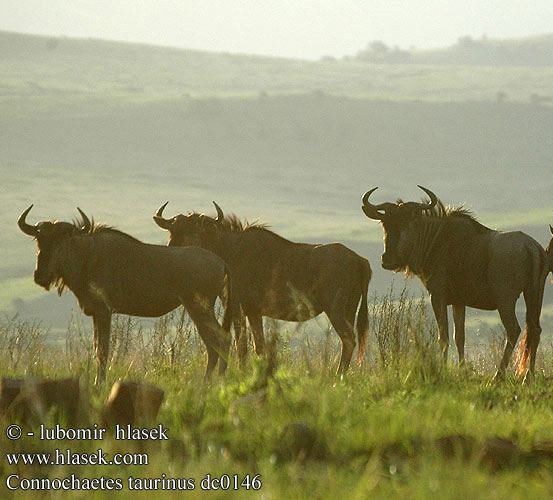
[96,228]
[231,223]
[429,231]
[442,211]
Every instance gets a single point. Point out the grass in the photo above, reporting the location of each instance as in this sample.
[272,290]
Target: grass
[401,425]
[118,129]
[39,74]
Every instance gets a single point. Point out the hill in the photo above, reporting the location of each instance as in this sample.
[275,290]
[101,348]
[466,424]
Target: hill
[38,73]
[75,132]
[468,51]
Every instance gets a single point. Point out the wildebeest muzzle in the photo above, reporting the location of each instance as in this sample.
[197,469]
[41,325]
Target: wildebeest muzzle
[42,279]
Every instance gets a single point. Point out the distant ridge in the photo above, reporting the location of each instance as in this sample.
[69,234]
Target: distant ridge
[529,51]
[15,41]
[66,73]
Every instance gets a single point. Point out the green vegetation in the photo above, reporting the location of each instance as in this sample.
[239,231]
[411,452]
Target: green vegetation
[401,425]
[118,129]
[43,74]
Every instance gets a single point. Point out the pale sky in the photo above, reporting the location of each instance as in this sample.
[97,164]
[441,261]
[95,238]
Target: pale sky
[305,29]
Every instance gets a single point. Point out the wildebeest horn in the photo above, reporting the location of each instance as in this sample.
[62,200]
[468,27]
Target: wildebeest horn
[551,229]
[160,210]
[372,211]
[86,221]
[27,228]
[433,198]
[160,220]
[220,214]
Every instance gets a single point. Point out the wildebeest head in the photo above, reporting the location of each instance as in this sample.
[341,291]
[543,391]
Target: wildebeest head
[49,237]
[398,222]
[185,230]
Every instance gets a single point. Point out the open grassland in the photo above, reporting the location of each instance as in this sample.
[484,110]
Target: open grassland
[117,129]
[49,72]
[401,425]
[298,163]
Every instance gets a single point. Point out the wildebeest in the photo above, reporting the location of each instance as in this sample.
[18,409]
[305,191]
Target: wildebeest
[463,263]
[549,250]
[112,272]
[278,278]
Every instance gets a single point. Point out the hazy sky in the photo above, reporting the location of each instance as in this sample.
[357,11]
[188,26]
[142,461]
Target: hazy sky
[293,28]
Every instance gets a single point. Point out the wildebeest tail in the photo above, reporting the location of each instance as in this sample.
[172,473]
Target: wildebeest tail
[550,258]
[227,316]
[363,314]
[523,354]
[540,269]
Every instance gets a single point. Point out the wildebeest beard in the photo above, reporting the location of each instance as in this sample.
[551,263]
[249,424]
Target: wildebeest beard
[59,284]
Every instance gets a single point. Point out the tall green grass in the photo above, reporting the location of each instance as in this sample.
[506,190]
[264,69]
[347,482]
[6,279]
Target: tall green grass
[401,425]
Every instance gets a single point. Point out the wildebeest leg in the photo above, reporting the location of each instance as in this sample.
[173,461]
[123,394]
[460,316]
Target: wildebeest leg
[224,347]
[459,331]
[533,309]
[439,306]
[212,358]
[345,330]
[102,324]
[510,322]
[214,336]
[256,324]
[240,335]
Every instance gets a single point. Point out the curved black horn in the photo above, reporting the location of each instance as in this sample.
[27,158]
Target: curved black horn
[220,214]
[433,198]
[551,229]
[160,210]
[86,221]
[365,198]
[370,210]
[27,228]
[160,220]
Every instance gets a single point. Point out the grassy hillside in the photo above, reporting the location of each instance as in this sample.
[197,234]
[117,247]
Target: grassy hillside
[118,129]
[49,72]
[400,426]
